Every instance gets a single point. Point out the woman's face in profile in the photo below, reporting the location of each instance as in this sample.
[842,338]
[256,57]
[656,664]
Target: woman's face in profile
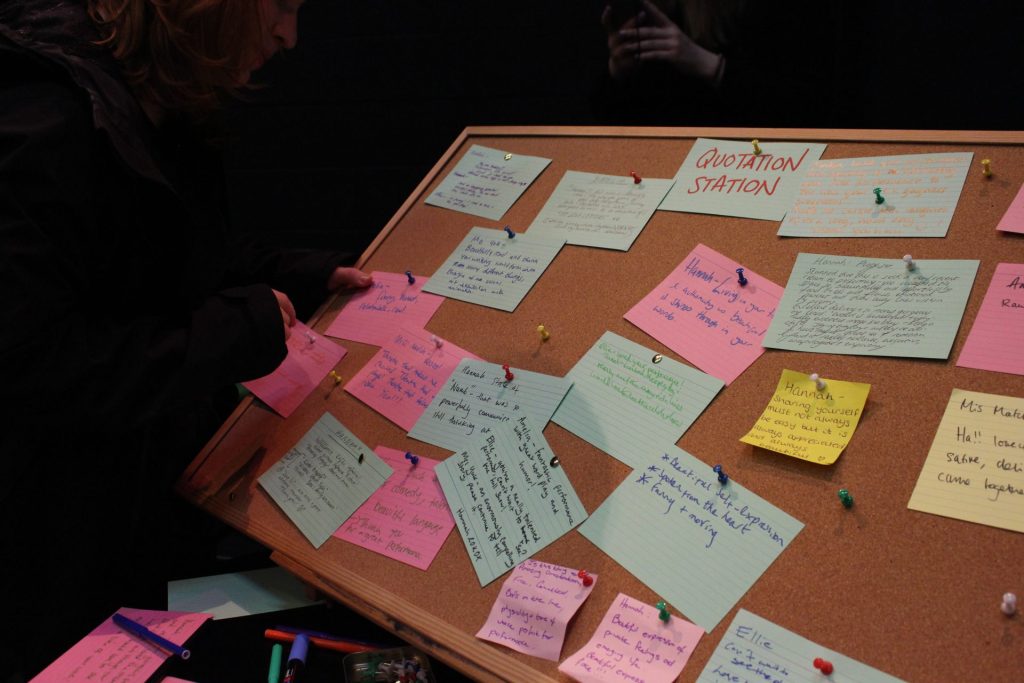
[280,31]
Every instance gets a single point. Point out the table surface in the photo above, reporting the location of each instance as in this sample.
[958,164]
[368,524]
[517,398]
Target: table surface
[913,594]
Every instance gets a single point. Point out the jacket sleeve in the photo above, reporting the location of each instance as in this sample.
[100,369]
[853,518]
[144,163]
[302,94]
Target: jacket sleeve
[69,354]
[300,273]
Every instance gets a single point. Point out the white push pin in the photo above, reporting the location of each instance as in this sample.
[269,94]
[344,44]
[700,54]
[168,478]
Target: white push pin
[909,260]
[437,342]
[818,381]
[310,338]
[1009,605]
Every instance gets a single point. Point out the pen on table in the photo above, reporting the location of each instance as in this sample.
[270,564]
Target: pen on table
[296,658]
[140,631]
[325,643]
[275,663]
[329,636]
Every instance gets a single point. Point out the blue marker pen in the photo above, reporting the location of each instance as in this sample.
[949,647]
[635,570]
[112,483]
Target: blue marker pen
[140,631]
[296,658]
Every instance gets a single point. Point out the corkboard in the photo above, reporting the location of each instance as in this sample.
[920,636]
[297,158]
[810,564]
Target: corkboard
[913,594]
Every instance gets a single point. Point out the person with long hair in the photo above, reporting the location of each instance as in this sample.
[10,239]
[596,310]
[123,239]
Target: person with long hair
[129,313]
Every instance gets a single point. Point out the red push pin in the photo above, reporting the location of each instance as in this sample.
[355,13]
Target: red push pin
[636,178]
[508,373]
[823,666]
[587,579]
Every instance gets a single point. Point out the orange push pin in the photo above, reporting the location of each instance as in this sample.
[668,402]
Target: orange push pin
[986,168]
[757,147]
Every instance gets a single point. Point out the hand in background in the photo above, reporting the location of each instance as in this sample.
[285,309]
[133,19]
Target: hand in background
[348,278]
[287,312]
[650,36]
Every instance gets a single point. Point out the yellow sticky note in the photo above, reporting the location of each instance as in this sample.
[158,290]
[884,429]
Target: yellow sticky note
[975,468]
[809,423]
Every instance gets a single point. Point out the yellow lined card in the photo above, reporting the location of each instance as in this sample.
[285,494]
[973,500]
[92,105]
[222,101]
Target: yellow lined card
[807,423]
[975,468]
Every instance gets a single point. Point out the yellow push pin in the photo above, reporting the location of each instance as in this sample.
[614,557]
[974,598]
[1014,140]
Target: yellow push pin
[543,332]
[508,156]
[986,168]
[335,376]
[757,147]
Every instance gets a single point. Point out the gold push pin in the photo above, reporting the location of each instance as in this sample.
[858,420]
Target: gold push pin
[986,168]
[508,156]
[757,147]
[543,332]
[335,376]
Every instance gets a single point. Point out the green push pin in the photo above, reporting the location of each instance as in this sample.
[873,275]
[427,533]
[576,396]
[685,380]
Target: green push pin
[879,199]
[663,611]
[846,498]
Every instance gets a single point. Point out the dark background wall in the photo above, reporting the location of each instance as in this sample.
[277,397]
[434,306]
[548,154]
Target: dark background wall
[352,119]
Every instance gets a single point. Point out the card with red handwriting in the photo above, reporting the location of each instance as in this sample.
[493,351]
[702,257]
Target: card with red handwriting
[732,178]
[999,324]
[633,644]
[374,314]
[905,195]
[403,377]
[1013,219]
[110,653]
[710,312]
[534,607]
[310,357]
[406,519]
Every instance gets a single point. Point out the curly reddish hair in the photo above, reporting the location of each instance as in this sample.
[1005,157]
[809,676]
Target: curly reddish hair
[181,55]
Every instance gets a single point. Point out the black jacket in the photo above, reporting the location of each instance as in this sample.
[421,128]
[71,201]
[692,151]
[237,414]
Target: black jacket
[124,310]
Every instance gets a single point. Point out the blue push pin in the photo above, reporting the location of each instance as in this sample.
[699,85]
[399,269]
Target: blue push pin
[511,234]
[412,280]
[742,280]
[414,458]
[723,478]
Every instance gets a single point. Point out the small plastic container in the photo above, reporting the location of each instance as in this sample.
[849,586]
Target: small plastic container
[396,665]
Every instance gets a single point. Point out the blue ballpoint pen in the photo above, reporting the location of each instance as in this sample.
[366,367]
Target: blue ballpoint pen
[144,633]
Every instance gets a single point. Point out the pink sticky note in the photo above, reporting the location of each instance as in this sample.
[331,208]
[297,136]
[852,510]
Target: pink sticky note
[534,607]
[374,314]
[407,518]
[401,380]
[633,644]
[310,357]
[1013,219]
[1000,323]
[702,313]
[111,654]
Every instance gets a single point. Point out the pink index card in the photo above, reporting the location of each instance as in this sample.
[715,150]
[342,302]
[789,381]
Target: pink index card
[1000,323]
[401,380]
[112,654]
[1013,219]
[701,312]
[534,607]
[632,644]
[406,519]
[374,314]
[310,357]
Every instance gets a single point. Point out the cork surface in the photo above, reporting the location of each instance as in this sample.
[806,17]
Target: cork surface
[913,594]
